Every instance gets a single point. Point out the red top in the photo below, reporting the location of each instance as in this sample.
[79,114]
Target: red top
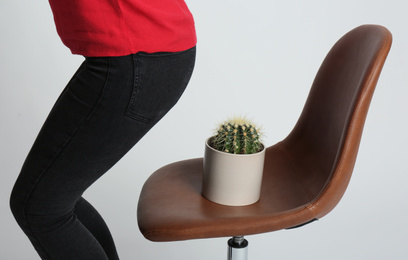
[122,27]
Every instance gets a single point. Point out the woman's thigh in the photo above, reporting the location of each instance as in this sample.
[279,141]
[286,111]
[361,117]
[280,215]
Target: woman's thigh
[106,109]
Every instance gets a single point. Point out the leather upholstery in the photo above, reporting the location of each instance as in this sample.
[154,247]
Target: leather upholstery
[305,175]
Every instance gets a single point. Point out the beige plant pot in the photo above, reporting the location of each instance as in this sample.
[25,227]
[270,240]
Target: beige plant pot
[232,179]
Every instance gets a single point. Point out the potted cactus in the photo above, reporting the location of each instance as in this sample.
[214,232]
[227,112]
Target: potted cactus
[233,164]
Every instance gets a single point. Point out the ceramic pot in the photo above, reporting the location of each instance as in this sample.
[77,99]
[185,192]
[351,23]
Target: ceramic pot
[232,179]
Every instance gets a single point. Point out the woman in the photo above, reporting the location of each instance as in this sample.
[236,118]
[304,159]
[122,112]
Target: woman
[139,57]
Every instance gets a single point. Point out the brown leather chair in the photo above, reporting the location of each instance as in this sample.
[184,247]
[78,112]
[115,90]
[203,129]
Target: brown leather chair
[305,175]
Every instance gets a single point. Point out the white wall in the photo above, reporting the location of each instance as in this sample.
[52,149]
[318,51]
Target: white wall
[257,58]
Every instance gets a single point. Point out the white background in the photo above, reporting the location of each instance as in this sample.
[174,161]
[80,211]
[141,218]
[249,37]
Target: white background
[257,58]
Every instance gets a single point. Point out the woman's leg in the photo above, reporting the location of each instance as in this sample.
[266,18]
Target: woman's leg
[90,218]
[107,107]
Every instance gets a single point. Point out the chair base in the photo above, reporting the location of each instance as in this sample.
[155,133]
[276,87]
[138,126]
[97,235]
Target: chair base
[237,248]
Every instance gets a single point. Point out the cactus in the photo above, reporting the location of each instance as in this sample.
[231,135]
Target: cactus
[237,136]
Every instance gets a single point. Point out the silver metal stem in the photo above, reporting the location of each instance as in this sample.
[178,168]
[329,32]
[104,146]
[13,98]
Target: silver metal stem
[237,248]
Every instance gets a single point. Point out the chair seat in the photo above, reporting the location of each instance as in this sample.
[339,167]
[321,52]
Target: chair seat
[305,175]
[172,208]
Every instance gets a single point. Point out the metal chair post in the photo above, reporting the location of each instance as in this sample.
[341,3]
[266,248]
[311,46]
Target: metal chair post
[237,248]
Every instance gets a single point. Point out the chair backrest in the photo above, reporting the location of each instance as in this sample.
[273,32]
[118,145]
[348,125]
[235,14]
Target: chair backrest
[326,138]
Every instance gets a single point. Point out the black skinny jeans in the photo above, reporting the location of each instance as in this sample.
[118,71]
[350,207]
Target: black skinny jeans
[106,108]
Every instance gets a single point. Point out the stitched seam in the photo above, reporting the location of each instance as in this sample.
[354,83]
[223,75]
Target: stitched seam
[57,155]
[134,95]
[347,144]
[135,82]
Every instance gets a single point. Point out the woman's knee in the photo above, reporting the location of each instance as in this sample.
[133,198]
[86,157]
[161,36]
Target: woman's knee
[36,214]
[17,206]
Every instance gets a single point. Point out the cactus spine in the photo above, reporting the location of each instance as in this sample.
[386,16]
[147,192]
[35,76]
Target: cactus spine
[237,136]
